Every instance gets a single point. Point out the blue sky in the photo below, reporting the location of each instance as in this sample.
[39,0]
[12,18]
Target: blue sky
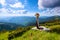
[28,8]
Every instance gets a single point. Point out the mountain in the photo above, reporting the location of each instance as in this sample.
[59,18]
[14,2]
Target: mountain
[18,20]
[23,21]
[9,26]
[54,18]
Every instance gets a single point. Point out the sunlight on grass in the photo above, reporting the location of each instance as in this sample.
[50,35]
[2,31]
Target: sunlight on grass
[34,35]
[4,36]
[39,35]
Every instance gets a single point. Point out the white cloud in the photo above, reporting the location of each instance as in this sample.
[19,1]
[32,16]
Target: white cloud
[50,3]
[48,12]
[17,5]
[2,2]
[20,11]
[55,11]
[9,15]
[3,10]
[40,6]
[10,12]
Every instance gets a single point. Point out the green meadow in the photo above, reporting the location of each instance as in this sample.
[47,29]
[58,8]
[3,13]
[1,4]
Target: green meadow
[29,34]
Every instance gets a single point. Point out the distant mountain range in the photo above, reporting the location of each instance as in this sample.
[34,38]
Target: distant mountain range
[23,21]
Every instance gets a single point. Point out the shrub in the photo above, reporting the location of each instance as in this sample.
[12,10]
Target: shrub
[55,29]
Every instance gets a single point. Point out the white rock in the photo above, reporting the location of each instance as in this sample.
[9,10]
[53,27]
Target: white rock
[35,28]
[44,28]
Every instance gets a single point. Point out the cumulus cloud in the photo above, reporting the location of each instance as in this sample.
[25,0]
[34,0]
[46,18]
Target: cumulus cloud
[17,5]
[10,12]
[55,11]
[21,11]
[2,2]
[51,3]
[11,8]
[48,3]
[40,4]
[3,10]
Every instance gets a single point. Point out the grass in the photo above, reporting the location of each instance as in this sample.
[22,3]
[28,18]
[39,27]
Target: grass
[39,35]
[4,36]
[34,35]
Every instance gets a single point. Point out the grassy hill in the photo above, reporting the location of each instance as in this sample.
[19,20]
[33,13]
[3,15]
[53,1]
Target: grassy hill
[33,35]
[29,34]
[38,35]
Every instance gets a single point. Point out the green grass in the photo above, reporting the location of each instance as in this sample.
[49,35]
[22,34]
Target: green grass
[38,35]
[4,36]
[34,35]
